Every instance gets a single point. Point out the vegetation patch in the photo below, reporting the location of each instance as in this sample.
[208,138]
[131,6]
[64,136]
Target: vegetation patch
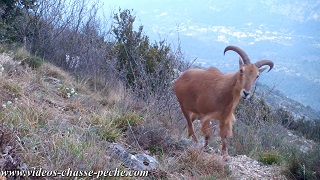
[196,163]
[270,158]
[300,165]
[105,129]
[34,62]
[12,88]
[67,92]
[126,120]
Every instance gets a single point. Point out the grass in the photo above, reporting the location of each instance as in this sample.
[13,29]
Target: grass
[200,164]
[21,54]
[105,129]
[126,120]
[51,131]
[13,89]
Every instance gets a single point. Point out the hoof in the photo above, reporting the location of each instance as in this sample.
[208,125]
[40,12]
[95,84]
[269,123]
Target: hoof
[226,157]
[207,149]
[196,145]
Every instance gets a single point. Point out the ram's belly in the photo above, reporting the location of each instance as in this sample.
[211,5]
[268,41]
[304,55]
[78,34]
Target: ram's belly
[213,107]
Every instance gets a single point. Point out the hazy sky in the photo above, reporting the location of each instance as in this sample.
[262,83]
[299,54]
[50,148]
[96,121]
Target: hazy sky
[270,20]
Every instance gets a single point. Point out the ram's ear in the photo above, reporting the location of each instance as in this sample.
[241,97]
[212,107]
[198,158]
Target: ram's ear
[262,69]
[240,63]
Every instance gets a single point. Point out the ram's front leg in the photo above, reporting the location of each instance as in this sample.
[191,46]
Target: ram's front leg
[206,129]
[225,131]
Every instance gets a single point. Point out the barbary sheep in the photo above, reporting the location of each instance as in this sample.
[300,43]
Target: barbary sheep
[210,94]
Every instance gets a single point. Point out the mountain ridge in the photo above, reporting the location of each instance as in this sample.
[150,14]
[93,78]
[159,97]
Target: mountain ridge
[277,99]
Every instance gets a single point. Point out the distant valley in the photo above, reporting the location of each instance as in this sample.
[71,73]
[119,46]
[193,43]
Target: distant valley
[286,32]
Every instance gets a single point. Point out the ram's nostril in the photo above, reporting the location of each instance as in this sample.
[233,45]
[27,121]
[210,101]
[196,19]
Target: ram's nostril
[246,93]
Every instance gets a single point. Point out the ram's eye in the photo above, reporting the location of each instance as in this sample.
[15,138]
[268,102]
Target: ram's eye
[257,77]
[241,71]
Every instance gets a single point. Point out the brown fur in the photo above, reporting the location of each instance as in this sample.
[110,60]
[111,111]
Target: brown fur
[210,94]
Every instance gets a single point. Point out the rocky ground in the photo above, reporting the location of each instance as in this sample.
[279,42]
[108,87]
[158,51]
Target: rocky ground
[243,167]
[238,167]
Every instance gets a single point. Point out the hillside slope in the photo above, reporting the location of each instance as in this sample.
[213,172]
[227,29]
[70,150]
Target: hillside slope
[51,121]
[277,99]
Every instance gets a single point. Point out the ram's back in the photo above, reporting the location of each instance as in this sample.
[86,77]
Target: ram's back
[194,89]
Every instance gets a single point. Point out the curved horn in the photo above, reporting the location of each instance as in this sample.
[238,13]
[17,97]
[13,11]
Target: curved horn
[264,62]
[242,54]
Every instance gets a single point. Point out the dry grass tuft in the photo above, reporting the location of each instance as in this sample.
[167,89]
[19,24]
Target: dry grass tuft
[49,70]
[194,163]
[155,138]
[20,54]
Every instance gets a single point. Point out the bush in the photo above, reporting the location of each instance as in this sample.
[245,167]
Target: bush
[310,129]
[34,62]
[20,53]
[124,121]
[284,117]
[270,158]
[144,66]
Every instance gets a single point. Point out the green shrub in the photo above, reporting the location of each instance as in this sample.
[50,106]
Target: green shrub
[270,158]
[105,129]
[123,121]
[110,134]
[21,54]
[156,150]
[310,129]
[111,127]
[145,65]
[34,62]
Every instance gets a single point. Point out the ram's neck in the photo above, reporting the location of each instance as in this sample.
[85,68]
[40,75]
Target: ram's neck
[234,85]
[237,89]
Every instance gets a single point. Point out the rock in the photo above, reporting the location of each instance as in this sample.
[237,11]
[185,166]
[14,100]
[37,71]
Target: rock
[147,160]
[137,162]
[53,80]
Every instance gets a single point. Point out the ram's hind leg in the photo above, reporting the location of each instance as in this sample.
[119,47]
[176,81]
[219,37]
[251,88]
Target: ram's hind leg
[190,117]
